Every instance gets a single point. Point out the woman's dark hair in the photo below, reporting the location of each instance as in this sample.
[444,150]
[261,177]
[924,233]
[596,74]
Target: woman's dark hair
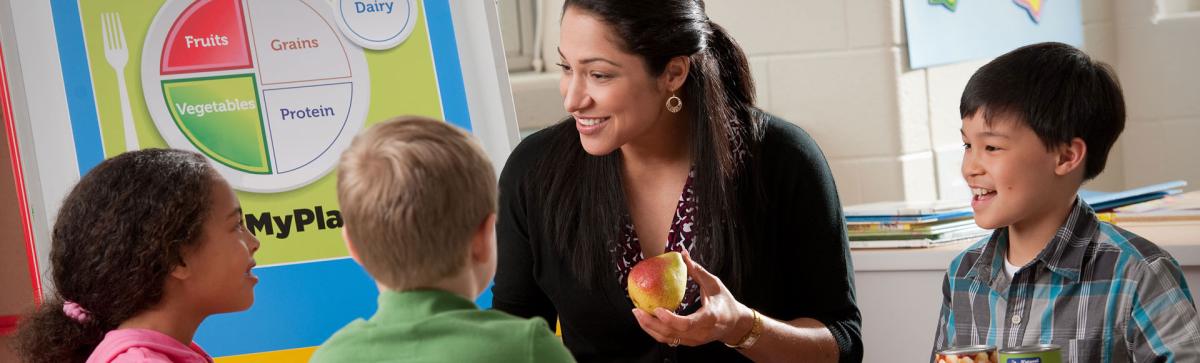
[118,235]
[582,194]
[1058,91]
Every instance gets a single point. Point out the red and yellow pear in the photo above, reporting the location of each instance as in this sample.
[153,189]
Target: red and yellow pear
[658,282]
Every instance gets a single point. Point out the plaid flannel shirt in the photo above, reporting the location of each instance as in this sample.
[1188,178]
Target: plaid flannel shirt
[1101,293]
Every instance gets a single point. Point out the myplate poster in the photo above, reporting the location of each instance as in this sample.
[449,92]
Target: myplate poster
[271,91]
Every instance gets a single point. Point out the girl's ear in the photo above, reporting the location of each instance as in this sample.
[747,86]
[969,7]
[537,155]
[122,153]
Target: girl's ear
[182,271]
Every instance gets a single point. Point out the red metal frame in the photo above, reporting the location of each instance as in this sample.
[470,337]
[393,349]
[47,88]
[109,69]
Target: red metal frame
[9,323]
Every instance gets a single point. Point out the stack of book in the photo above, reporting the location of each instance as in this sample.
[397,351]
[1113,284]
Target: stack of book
[1104,202]
[1184,207]
[1150,211]
[911,224]
[927,224]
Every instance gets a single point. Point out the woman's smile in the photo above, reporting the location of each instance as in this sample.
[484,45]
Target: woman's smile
[590,125]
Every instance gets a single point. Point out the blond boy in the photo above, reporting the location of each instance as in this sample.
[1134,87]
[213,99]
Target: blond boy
[419,200]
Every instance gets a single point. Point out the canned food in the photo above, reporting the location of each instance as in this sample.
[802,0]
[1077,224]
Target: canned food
[966,354]
[1041,353]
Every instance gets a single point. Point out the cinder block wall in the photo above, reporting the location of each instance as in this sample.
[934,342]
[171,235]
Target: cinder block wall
[839,70]
[1158,58]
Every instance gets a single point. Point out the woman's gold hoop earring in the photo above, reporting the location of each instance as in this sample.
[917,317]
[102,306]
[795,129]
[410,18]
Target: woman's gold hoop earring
[674,104]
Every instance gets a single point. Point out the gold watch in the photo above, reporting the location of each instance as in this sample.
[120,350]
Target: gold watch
[748,341]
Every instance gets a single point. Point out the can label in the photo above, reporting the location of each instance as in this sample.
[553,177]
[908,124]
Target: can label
[1043,354]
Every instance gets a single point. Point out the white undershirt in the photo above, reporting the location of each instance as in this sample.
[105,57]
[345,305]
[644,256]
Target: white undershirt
[1010,269]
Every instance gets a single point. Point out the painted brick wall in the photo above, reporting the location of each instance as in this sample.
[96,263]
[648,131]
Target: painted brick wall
[839,70]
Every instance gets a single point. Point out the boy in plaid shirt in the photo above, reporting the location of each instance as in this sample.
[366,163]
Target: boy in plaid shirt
[1036,123]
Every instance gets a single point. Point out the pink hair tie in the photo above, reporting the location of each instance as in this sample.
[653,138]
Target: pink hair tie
[74,311]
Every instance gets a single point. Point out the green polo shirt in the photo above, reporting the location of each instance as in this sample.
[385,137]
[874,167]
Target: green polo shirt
[438,326]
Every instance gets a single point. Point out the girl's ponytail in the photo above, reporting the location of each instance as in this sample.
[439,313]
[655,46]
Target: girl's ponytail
[48,335]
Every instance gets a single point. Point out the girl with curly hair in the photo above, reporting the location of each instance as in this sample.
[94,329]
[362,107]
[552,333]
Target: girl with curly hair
[146,246]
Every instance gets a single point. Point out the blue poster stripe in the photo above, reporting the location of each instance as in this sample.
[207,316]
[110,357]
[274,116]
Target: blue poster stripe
[445,61]
[450,81]
[295,306]
[77,79]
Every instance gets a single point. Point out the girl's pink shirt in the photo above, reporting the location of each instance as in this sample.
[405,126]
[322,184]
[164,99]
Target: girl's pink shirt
[145,346]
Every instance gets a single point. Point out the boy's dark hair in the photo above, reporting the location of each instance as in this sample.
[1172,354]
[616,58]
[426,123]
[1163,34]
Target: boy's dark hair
[1056,90]
[118,235]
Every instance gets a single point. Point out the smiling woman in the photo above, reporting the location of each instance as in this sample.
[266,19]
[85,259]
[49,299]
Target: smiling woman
[664,150]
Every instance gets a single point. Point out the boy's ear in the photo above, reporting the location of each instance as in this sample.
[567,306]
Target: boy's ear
[1070,157]
[482,248]
[675,73]
[350,246]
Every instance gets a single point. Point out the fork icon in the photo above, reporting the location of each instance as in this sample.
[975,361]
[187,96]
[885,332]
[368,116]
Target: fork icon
[117,55]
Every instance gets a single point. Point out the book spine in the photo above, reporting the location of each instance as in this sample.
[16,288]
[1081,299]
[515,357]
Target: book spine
[879,227]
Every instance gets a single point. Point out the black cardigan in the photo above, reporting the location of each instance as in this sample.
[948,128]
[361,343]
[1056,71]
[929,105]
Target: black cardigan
[799,261]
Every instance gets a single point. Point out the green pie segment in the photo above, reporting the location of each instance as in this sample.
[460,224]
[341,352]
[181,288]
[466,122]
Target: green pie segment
[220,116]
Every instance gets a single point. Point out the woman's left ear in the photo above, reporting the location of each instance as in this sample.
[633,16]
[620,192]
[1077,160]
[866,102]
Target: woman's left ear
[1071,156]
[675,73]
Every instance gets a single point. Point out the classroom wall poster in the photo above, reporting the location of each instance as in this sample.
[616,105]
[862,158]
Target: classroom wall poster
[950,31]
[271,91]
